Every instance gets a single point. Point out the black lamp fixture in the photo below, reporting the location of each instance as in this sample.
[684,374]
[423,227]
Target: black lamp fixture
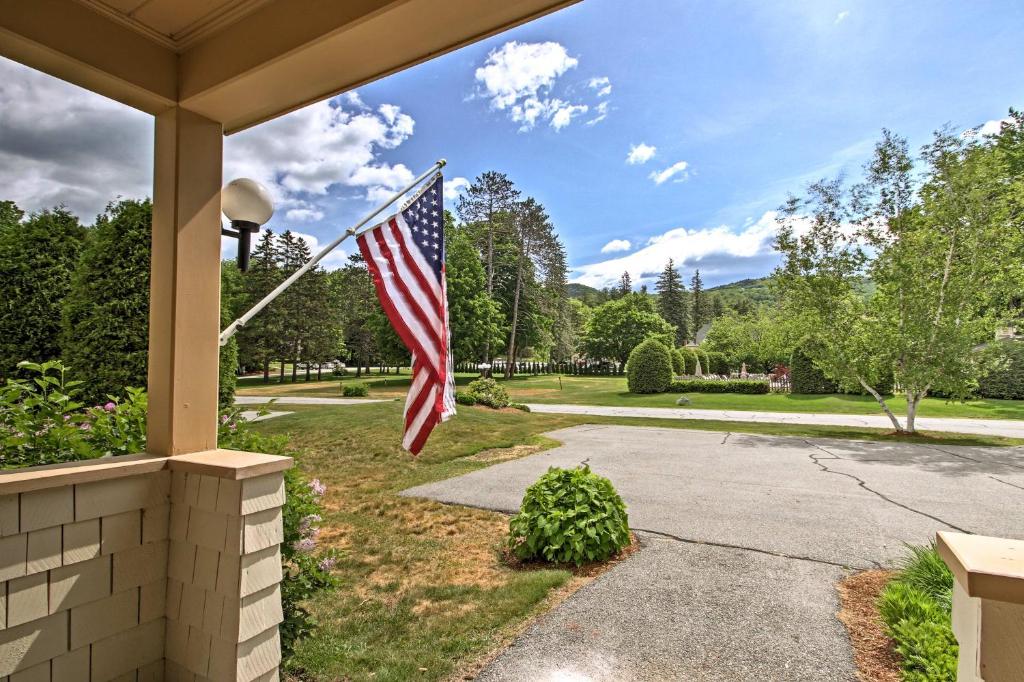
[247,204]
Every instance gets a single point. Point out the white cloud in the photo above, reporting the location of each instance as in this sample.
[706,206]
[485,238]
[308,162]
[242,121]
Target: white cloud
[453,187]
[640,153]
[687,247]
[519,77]
[61,144]
[676,170]
[616,245]
[841,16]
[517,71]
[993,127]
[601,84]
[602,113]
[304,215]
[302,156]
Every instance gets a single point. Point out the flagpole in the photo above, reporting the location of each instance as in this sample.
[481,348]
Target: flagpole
[230,330]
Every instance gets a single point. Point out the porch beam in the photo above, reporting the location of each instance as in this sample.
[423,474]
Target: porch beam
[185,284]
[66,39]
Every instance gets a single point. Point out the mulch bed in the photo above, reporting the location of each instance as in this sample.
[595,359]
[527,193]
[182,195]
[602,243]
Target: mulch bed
[872,649]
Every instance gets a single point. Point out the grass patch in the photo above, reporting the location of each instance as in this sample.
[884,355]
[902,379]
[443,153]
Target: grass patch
[611,391]
[915,608]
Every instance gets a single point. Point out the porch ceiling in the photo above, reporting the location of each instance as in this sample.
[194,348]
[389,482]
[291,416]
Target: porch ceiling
[242,62]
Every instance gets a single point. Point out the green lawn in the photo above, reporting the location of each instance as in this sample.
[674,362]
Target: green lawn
[423,591]
[612,391]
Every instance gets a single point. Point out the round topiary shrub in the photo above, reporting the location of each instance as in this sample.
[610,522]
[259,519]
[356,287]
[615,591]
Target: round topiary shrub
[718,363]
[649,369]
[689,360]
[678,362]
[488,392]
[1005,379]
[805,378]
[463,398]
[355,390]
[569,515]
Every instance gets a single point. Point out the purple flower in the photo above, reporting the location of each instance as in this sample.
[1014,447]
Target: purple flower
[327,563]
[308,521]
[224,419]
[110,407]
[85,426]
[305,545]
[317,487]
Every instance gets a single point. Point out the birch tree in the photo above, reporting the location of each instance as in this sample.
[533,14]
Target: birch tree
[935,250]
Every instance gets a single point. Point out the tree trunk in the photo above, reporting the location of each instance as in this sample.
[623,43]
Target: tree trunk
[913,402]
[881,401]
[280,378]
[319,376]
[295,367]
[515,322]
[266,370]
[307,372]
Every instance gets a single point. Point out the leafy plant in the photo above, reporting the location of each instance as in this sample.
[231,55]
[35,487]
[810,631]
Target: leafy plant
[649,369]
[519,406]
[747,386]
[916,608]
[718,363]
[1005,378]
[118,427]
[678,362]
[463,398]
[569,515]
[488,392]
[806,378]
[355,390]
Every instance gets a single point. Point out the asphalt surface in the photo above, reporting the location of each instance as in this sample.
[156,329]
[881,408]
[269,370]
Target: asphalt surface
[744,539]
[1010,428]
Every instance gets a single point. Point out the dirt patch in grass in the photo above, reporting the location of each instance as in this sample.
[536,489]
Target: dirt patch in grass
[495,455]
[872,649]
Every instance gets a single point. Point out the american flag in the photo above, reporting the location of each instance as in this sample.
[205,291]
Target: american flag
[405,254]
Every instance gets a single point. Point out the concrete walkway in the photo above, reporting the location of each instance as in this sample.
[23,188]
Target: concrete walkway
[986,427]
[302,400]
[744,538]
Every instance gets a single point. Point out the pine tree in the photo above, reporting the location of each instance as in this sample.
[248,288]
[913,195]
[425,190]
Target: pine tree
[106,313]
[37,258]
[672,301]
[258,341]
[698,304]
[717,307]
[625,284]
[474,317]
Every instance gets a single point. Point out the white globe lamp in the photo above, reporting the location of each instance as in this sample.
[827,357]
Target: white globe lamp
[247,204]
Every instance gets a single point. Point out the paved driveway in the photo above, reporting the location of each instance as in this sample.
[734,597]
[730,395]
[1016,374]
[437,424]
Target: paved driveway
[744,539]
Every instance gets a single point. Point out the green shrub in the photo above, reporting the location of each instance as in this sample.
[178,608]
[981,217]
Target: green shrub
[689,360]
[748,386]
[1005,380]
[702,355]
[915,608]
[519,406]
[718,363]
[463,398]
[488,392]
[678,362]
[355,390]
[806,378]
[569,515]
[649,369]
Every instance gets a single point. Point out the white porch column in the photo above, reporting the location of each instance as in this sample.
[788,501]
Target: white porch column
[184,314]
[988,605]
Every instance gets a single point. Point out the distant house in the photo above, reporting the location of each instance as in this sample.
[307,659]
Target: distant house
[1011,332]
[701,334]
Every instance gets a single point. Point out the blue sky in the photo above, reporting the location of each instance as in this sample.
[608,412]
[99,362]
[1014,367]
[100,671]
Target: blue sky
[730,104]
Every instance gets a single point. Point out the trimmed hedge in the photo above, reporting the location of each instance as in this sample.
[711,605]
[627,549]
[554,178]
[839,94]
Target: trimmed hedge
[649,369]
[704,363]
[690,360]
[355,390]
[678,362]
[463,398]
[805,378]
[1006,379]
[749,386]
[718,363]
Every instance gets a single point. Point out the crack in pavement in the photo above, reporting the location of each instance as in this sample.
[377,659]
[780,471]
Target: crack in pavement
[726,545]
[726,437]
[972,459]
[863,484]
[1013,485]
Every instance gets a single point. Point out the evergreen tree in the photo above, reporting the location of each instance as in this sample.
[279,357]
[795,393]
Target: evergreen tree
[10,216]
[717,307]
[474,317]
[625,284]
[672,301]
[106,312]
[698,304]
[258,341]
[37,258]
[298,304]
[352,285]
